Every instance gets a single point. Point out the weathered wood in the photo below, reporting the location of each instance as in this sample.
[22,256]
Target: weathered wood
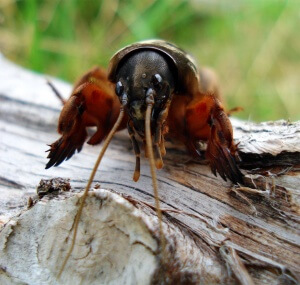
[217,233]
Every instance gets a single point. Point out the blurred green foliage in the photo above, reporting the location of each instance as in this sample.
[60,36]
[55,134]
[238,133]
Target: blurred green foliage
[253,45]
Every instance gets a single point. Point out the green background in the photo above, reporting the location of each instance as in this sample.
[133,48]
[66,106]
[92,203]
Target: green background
[253,45]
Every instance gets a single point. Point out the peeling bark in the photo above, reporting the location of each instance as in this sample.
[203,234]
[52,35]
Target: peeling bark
[216,233]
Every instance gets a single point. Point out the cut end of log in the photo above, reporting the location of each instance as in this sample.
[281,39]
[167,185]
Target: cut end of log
[113,243]
[117,243]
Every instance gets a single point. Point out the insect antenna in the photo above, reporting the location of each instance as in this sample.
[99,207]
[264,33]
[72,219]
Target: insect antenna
[56,92]
[149,150]
[87,188]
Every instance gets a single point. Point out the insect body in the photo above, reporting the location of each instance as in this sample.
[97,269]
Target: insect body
[153,88]
[183,106]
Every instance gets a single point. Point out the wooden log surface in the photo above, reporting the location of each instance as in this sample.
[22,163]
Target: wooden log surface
[216,233]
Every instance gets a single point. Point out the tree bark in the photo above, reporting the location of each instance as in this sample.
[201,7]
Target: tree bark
[216,233]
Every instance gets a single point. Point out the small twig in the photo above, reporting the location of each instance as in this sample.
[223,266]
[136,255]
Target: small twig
[284,171]
[236,265]
[252,190]
[263,259]
[243,197]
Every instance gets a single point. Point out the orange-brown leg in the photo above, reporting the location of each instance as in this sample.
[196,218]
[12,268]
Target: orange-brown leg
[203,118]
[93,103]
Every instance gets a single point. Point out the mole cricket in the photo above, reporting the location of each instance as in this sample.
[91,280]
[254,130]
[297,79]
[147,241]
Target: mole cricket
[154,89]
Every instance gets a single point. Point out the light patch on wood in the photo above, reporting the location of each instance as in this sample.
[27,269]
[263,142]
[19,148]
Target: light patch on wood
[114,244]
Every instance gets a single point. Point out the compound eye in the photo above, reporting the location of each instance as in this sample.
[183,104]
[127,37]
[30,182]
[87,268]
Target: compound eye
[156,80]
[119,88]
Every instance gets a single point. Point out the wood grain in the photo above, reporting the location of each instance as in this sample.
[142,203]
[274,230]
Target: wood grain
[256,225]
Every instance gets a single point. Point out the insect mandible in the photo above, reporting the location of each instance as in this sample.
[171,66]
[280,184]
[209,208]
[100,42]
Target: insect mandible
[154,89]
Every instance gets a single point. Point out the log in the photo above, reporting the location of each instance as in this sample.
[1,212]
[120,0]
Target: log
[216,232]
